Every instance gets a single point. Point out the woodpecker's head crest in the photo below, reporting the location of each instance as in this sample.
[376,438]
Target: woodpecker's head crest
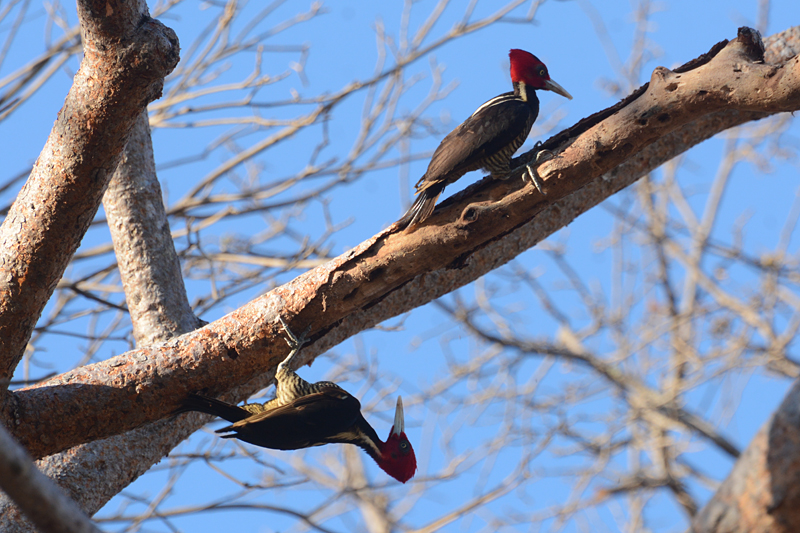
[397,455]
[528,69]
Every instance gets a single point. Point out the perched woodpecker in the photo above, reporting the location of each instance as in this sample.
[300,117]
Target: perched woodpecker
[304,414]
[487,139]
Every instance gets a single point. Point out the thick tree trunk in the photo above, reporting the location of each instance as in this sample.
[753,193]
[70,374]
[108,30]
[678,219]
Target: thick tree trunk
[127,55]
[762,492]
[472,233]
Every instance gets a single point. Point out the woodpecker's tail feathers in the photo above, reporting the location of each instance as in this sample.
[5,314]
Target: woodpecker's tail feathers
[212,406]
[421,209]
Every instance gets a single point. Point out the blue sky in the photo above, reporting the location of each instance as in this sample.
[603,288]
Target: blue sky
[417,352]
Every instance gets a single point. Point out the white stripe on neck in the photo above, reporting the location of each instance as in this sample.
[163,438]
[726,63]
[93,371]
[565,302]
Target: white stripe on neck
[496,100]
[523,91]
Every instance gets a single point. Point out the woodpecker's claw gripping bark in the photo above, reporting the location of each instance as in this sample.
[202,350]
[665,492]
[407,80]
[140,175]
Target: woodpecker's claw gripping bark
[295,343]
[489,138]
[530,170]
[530,173]
[542,155]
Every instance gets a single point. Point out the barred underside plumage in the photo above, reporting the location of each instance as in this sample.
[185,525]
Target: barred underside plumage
[488,139]
[304,414]
[289,387]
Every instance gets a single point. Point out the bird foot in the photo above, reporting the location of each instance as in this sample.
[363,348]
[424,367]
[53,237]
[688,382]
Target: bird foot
[295,342]
[530,170]
[530,173]
[544,155]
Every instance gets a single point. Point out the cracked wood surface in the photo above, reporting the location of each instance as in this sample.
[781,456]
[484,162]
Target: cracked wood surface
[471,233]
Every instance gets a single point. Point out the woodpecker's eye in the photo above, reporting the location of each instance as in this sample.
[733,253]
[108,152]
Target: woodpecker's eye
[404,447]
[542,72]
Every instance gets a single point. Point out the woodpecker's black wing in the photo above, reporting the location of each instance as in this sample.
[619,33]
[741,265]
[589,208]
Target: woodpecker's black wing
[361,434]
[487,139]
[492,128]
[311,420]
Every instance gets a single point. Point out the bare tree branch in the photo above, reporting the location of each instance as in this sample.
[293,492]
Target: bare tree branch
[36,494]
[126,60]
[377,277]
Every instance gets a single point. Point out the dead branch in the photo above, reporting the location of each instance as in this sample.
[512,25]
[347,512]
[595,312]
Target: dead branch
[395,272]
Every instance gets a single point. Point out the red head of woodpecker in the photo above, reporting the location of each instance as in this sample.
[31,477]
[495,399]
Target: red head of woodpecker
[527,70]
[306,414]
[396,454]
[329,416]
[488,138]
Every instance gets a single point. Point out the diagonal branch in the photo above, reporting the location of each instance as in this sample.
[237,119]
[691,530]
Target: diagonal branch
[393,272]
[127,56]
[37,496]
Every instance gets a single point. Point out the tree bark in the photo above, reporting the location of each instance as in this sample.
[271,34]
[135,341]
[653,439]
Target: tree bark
[146,257]
[127,55]
[762,492]
[472,233]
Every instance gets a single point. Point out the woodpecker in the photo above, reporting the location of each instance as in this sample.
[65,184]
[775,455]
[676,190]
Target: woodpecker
[304,414]
[487,139]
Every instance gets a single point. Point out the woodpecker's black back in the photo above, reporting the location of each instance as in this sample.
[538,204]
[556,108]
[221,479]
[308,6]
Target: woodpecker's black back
[306,414]
[488,139]
[329,416]
[301,415]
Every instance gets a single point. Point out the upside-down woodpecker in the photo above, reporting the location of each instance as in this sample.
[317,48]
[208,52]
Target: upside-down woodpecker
[487,139]
[304,414]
